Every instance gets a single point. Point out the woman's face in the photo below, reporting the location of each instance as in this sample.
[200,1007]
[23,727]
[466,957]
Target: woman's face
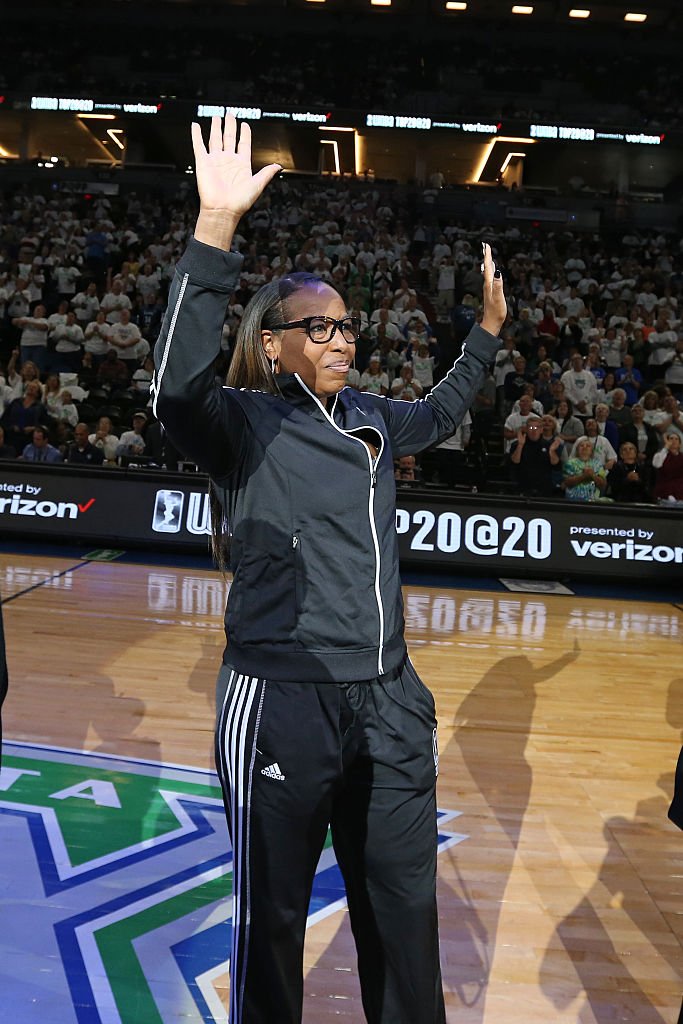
[322,367]
[584,450]
[563,409]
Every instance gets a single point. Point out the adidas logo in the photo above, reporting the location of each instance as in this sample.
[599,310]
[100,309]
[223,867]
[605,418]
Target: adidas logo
[273,772]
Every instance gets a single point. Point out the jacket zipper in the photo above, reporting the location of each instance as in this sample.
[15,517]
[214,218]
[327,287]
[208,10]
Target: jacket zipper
[373,530]
[372,465]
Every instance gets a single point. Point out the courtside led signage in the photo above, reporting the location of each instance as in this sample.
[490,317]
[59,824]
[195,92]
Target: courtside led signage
[60,103]
[87,106]
[242,113]
[572,133]
[397,121]
[485,129]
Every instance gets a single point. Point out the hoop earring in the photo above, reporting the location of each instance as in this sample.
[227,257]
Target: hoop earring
[273,365]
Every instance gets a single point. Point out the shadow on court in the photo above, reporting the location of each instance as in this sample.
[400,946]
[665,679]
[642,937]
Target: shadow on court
[492,727]
[600,936]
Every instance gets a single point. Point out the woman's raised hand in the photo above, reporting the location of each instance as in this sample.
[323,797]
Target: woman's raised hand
[227,188]
[495,306]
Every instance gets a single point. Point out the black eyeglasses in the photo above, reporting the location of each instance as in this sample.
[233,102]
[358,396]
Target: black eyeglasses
[321,329]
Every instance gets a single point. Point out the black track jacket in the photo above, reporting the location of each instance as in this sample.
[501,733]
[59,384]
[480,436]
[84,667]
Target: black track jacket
[316,594]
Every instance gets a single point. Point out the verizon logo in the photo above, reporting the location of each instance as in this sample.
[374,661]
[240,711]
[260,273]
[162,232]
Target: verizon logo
[18,506]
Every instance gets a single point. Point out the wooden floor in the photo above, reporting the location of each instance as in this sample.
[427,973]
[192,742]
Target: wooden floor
[560,720]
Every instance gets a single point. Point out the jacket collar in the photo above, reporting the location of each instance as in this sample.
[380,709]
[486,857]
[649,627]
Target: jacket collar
[294,391]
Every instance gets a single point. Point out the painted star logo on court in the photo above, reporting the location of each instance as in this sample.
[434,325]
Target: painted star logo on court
[117,877]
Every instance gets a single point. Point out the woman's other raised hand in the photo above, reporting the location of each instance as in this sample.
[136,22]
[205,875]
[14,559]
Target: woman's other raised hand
[495,306]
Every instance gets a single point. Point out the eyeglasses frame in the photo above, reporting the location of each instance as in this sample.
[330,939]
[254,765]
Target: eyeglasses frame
[306,321]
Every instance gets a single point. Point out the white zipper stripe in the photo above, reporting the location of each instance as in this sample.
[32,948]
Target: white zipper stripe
[371,511]
[169,336]
[378,595]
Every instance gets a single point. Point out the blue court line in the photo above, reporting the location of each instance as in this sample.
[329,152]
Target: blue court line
[48,579]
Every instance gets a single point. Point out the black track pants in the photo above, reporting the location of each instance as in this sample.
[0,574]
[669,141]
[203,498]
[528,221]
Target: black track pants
[294,758]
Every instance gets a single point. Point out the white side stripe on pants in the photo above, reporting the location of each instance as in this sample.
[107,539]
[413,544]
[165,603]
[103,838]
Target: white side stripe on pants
[234,727]
[247,849]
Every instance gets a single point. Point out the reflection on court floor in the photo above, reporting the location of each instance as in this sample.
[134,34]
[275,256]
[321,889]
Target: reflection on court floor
[560,719]
[121,877]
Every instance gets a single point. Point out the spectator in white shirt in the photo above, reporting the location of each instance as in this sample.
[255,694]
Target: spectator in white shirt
[374,379]
[445,285]
[661,345]
[57,319]
[132,442]
[114,302]
[69,345]
[602,449]
[441,249]
[17,298]
[64,410]
[574,304]
[674,369]
[33,342]
[104,439]
[403,296]
[66,276]
[391,330]
[127,340]
[98,338]
[647,298]
[385,304]
[148,281]
[516,420]
[580,386]
[406,381]
[613,347]
[412,312]
[86,305]
[423,366]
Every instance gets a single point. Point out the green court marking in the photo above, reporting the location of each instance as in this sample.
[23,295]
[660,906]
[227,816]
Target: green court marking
[103,555]
[115,943]
[89,829]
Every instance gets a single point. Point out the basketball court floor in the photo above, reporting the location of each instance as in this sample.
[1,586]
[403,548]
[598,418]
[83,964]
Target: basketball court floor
[560,878]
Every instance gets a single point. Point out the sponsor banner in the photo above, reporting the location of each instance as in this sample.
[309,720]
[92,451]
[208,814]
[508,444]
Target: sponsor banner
[542,538]
[114,506]
[502,537]
[121,877]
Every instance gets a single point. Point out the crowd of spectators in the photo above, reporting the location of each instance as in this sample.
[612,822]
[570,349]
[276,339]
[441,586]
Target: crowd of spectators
[583,402]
